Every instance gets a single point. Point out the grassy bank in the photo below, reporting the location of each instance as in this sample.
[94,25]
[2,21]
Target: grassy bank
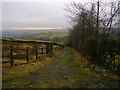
[13,76]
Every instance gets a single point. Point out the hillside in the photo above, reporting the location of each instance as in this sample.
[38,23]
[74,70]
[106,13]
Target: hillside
[49,36]
[56,35]
[19,33]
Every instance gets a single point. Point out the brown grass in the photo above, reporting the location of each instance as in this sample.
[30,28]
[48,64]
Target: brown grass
[21,59]
[25,69]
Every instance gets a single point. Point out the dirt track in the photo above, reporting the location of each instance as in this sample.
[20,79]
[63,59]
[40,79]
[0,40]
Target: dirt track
[64,72]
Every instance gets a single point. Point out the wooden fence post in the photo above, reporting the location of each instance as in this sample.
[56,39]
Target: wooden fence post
[27,52]
[36,53]
[47,49]
[51,48]
[42,50]
[11,56]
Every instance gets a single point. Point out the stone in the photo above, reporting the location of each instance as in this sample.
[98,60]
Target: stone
[65,77]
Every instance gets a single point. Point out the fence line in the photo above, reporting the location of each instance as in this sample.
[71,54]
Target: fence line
[48,50]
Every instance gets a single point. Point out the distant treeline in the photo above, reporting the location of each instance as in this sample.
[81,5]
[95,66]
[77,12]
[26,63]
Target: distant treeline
[56,39]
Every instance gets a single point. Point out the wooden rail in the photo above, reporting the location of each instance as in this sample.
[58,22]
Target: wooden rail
[48,49]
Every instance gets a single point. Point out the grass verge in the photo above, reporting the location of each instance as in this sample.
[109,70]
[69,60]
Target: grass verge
[11,75]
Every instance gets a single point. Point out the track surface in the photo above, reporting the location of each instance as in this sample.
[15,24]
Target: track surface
[63,73]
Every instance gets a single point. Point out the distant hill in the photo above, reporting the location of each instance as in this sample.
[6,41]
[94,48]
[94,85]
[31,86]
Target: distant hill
[47,36]
[19,33]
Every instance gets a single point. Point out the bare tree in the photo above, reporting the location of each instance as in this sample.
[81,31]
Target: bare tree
[91,28]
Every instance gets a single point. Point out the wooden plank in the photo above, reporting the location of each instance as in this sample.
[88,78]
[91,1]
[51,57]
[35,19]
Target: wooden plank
[39,48]
[4,56]
[5,48]
[39,53]
[23,49]
[5,62]
[24,54]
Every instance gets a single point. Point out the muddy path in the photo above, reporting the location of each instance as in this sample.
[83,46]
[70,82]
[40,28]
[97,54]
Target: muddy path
[52,74]
[64,72]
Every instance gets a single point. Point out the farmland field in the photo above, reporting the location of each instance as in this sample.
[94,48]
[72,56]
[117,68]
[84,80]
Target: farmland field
[44,36]
[49,35]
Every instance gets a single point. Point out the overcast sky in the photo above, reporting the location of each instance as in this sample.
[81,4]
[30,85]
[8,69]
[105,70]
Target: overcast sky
[33,14]
[30,14]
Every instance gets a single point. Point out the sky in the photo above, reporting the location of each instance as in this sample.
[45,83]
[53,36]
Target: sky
[28,14]
[33,15]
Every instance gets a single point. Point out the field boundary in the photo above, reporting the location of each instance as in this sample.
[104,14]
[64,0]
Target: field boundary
[50,47]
